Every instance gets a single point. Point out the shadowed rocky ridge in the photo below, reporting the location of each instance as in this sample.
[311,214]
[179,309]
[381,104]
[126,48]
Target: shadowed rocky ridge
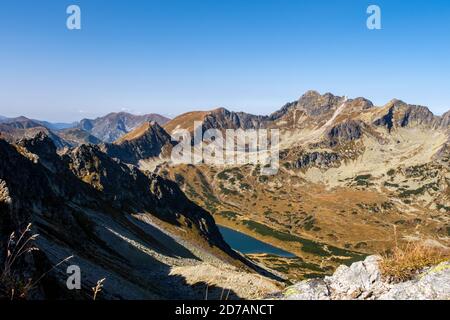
[147,141]
[117,222]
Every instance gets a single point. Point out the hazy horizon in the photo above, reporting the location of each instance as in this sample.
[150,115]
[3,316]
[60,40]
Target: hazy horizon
[194,109]
[173,57]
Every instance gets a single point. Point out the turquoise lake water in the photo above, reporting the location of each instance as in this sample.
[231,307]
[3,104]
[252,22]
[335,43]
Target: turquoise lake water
[246,244]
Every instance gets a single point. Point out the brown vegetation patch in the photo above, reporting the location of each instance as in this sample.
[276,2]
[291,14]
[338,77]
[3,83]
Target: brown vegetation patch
[405,262]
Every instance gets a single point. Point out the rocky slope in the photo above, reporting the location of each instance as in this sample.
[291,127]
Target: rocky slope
[364,281]
[116,222]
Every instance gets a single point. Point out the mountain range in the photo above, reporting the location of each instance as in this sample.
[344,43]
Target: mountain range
[103,129]
[354,179]
[352,175]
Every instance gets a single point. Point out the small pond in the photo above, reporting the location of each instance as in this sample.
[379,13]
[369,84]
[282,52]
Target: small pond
[246,244]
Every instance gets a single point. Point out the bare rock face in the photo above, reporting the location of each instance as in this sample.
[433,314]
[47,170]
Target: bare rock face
[363,281]
[224,119]
[344,132]
[318,159]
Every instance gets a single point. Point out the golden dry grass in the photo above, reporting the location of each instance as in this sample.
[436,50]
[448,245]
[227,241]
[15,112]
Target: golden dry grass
[13,286]
[405,262]
[13,283]
[185,121]
[134,134]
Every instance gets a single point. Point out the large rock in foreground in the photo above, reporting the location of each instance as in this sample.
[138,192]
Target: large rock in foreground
[363,281]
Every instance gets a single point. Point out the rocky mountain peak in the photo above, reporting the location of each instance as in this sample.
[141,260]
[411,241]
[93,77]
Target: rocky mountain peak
[400,114]
[40,143]
[360,103]
[148,128]
[147,141]
[315,104]
[310,94]
[396,103]
[42,146]
[312,103]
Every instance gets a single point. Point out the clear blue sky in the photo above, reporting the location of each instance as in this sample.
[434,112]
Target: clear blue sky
[172,56]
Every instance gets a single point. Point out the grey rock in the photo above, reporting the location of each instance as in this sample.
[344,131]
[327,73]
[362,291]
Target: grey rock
[317,159]
[315,289]
[432,284]
[360,280]
[344,132]
[363,281]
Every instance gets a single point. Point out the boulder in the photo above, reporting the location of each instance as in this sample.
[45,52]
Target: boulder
[363,281]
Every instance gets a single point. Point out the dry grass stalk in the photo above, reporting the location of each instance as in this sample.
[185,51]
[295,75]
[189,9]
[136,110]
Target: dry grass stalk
[11,285]
[98,288]
[405,262]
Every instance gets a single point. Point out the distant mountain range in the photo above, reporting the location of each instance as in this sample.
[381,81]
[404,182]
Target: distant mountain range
[103,129]
[35,123]
[114,125]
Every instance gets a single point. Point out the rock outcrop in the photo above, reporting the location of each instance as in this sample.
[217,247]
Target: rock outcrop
[344,132]
[316,159]
[364,281]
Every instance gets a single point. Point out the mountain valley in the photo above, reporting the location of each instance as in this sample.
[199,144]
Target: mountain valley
[354,179]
